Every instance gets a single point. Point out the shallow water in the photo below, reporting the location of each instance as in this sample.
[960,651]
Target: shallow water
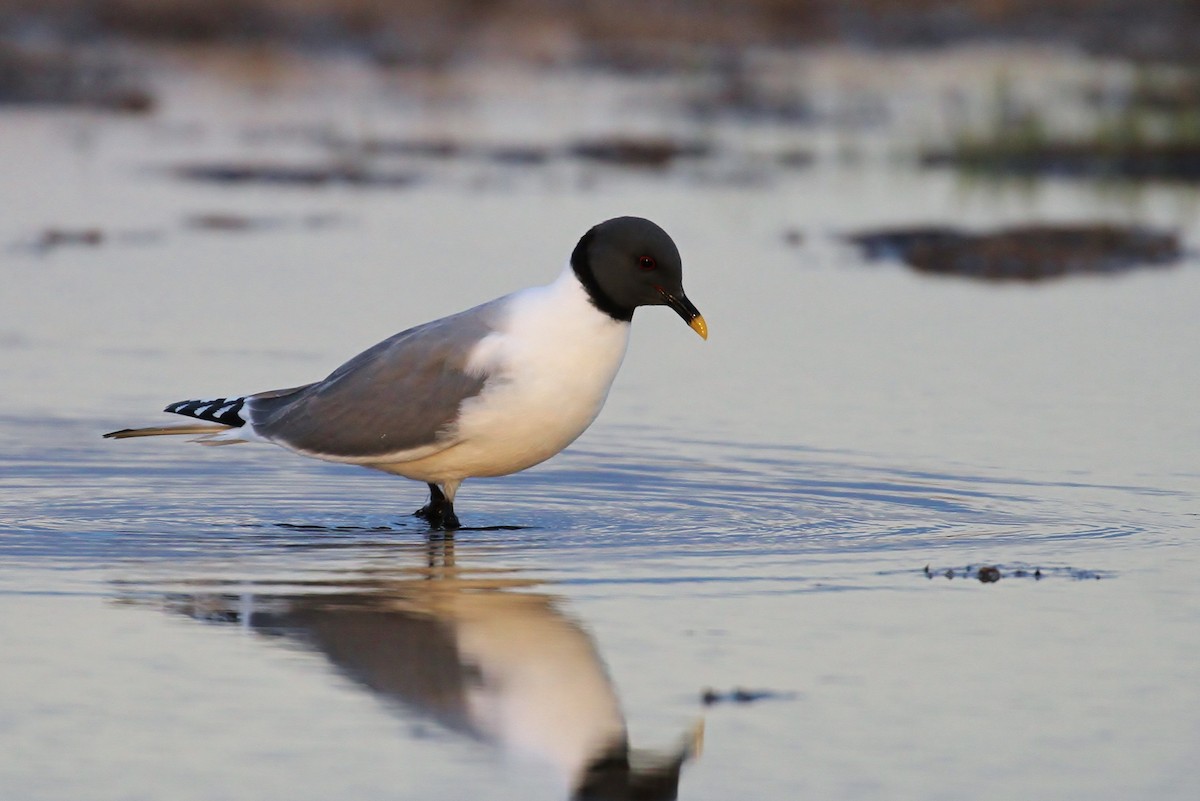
[777,509]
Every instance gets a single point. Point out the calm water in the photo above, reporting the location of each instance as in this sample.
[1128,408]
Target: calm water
[756,512]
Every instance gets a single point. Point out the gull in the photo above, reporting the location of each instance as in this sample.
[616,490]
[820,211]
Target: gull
[489,391]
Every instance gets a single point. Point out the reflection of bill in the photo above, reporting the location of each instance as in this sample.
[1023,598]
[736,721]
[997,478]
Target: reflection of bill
[480,657]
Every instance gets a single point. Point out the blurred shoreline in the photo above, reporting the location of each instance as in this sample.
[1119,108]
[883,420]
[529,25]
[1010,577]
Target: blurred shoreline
[989,88]
[623,34]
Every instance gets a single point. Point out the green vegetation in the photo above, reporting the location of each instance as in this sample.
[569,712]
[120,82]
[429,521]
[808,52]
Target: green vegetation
[1149,131]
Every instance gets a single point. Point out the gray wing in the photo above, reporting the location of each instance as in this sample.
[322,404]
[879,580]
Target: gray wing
[401,394]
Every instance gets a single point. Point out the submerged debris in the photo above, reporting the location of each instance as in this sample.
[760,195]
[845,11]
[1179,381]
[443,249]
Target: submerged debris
[987,574]
[1023,253]
[990,574]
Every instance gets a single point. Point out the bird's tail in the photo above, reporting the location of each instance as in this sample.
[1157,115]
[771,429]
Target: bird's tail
[158,431]
[221,414]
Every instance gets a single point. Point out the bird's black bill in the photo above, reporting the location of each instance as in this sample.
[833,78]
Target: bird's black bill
[684,308]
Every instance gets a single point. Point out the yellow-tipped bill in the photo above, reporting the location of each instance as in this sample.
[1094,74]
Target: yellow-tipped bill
[684,308]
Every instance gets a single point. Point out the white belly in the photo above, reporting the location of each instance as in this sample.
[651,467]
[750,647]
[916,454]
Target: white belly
[550,371]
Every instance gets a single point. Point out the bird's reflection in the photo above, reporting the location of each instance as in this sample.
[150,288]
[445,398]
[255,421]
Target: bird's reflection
[481,653]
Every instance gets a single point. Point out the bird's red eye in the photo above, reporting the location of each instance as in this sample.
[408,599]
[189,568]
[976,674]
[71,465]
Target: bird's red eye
[647,263]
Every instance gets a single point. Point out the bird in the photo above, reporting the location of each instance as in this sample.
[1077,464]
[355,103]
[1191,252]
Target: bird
[489,391]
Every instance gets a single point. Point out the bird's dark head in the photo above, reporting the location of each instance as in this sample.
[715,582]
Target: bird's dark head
[628,262]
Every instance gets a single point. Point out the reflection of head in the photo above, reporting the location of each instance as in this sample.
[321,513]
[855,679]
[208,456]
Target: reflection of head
[611,777]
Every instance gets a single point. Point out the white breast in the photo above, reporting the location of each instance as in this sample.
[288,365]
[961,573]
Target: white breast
[542,690]
[550,367]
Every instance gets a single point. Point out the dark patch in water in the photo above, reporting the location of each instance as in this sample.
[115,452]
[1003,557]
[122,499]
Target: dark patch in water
[59,237]
[322,529]
[233,222]
[228,221]
[796,159]
[989,574]
[444,148]
[295,175]
[68,78]
[518,155]
[494,528]
[1177,161]
[738,93]
[793,237]
[318,528]
[1023,253]
[742,695]
[649,153]
[55,238]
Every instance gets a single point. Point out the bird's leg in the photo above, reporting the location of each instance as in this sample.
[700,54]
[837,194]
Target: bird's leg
[439,512]
[439,555]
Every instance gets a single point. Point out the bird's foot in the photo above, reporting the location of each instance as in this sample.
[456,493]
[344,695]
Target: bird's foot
[439,514]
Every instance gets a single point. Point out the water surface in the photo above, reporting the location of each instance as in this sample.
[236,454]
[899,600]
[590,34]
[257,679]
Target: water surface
[755,512]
